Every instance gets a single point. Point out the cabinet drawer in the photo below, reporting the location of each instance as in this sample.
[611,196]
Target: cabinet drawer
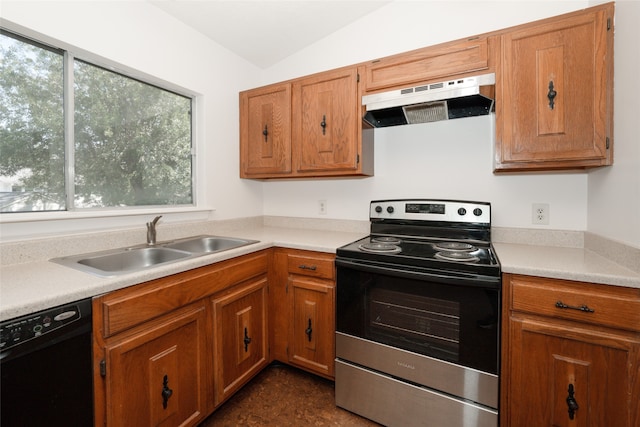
[603,305]
[314,265]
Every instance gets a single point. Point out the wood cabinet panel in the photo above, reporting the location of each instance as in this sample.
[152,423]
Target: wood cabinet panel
[311,343]
[240,337]
[599,367]
[156,376]
[265,131]
[557,89]
[327,122]
[431,63]
[550,355]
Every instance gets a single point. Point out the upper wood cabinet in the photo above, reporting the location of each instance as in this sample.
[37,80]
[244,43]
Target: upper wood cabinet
[555,89]
[327,123]
[436,62]
[265,131]
[570,354]
[305,127]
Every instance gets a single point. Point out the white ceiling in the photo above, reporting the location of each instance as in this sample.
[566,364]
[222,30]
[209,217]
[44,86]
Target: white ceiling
[266,31]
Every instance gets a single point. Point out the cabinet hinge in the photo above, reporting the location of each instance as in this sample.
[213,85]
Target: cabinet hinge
[357,77]
[357,159]
[103,368]
[608,24]
[607,139]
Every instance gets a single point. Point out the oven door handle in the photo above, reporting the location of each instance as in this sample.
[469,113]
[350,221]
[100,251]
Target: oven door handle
[450,278]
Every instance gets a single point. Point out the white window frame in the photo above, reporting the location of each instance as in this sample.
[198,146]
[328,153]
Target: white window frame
[122,216]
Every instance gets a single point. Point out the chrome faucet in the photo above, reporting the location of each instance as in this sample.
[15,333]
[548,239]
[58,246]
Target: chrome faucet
[151,231]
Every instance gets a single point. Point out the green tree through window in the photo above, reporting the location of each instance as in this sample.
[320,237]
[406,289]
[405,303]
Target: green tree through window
[131,140]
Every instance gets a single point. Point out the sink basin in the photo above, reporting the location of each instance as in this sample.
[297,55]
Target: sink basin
[133,259]
[208,244]
[128,260]
[122,261]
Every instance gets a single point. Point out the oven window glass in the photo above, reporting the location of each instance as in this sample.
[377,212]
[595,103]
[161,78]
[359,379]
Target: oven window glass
[458,323]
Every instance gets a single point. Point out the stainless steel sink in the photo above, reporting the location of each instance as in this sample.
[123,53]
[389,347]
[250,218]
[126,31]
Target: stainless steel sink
[122,261]
[128,260]
[208,244]
[133,259]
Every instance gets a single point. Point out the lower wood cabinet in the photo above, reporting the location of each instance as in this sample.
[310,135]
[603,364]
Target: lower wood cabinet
[571,354]
[168,351]
[157,375]
[240,337]
[302,299]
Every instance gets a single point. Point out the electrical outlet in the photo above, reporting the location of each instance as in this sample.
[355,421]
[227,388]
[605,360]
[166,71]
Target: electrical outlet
[322,207]
[540,213]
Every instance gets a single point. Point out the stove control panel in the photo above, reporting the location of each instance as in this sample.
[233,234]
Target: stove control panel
[432,210]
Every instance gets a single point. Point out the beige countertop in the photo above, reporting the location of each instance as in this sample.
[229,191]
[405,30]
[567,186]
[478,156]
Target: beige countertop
[564,263]
[33,285]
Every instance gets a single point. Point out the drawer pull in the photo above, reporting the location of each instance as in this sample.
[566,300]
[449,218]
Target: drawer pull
[307,267]
[582,307]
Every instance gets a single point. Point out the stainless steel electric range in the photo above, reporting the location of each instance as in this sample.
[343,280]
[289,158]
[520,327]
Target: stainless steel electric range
[418,318]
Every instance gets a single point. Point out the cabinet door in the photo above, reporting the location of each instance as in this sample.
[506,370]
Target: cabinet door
[327,123]
[240,341]
[312,339]
[437,62]
[557,86]
[265,131]
[155,376]
[555,366]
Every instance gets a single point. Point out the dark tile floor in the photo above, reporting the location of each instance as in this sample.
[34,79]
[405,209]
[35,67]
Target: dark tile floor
[284,396]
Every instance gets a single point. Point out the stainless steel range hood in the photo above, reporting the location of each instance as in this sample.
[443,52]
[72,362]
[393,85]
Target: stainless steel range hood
[451,99]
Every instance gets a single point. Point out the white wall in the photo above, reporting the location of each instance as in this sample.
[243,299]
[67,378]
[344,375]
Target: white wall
[412,168]
[143,38]
[614,193]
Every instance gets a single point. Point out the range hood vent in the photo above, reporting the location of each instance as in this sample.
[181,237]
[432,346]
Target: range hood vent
[465,97]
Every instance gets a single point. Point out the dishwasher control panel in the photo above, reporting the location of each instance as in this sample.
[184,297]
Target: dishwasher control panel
[26,328]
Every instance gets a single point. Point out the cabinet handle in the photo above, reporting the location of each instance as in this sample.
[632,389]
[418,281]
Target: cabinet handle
[582,307]
[308,331]
[265,132]
[323,124]
[166,391]
[571,402]
[246,340]
[551,95]
[307,267]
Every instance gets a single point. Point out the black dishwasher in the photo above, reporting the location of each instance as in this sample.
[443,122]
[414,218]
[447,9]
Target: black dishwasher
[45,368]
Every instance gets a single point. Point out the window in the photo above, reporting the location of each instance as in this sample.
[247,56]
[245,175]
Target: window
[127,143]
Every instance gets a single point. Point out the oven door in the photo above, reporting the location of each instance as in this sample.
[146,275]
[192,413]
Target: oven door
[452,317]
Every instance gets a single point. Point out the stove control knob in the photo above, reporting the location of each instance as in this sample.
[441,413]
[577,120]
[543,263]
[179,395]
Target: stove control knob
[462,211]
[477,211]
[378,208]
[390,209]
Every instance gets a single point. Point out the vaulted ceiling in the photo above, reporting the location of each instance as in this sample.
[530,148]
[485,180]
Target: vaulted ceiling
[267,31]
